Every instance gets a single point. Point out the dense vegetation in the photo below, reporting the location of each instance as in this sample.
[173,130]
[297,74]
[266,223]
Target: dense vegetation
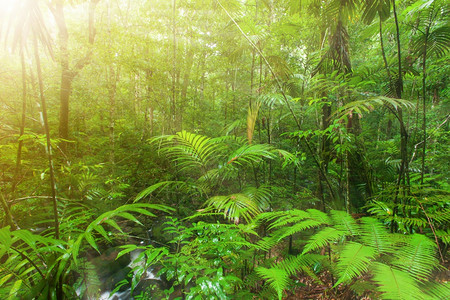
[232,149]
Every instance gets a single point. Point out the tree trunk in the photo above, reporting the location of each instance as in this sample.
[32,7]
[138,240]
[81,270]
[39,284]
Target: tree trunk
[68,74]
[173,105]
[22,125]
[424,122]
[47,134]
[403,133]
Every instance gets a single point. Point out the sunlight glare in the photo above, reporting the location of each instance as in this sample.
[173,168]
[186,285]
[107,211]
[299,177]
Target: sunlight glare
[6,6]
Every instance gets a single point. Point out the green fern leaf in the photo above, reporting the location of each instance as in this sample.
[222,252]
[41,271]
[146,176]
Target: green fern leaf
[417,256]
[345,222]
[435,291]
[395,284]
[299,227]
[374,234]
[354,261]
[285,217]
[319,216]
[322,238]
[293,264]
[277,278]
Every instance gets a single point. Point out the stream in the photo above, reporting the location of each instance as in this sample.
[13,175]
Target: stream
[111,271]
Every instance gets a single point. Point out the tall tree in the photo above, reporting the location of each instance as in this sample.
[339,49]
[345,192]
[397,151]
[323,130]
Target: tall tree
[68,72]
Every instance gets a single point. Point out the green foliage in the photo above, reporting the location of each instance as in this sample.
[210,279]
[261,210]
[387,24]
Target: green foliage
[395,284]
[353,261]
[417,256]
[245,118]
[356,249]
[277,278]
[206,257]
[32,265]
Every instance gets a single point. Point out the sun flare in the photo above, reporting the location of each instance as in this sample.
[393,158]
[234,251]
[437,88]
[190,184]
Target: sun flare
[6,6]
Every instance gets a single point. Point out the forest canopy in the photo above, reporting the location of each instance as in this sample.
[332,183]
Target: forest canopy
[224,149]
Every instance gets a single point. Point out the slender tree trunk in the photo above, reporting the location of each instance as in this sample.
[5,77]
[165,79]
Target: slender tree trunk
[189,59]
[149,120]
[112,83]
[383,54]
[68,74]
[174,68]
[47,134]
[403,133]
[424,122]
[22,125]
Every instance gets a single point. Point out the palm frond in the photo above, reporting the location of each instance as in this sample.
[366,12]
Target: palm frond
[368,105]
[234,206]
[261,195]
[252,115]
[189,150]
[250,153]
[373,7]
[271,99]
[161,186]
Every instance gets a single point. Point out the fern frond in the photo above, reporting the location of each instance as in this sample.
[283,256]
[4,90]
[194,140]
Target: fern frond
[435,291]
[395,284]
[296,228]
[417,256]
[277,278]
[354,261]
[322,238]
[374,234]
[344,222]
[293,264]
[283,218]
[319,216]
[267,242]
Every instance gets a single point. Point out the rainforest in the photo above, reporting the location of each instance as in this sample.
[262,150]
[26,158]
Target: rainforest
[224,149]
